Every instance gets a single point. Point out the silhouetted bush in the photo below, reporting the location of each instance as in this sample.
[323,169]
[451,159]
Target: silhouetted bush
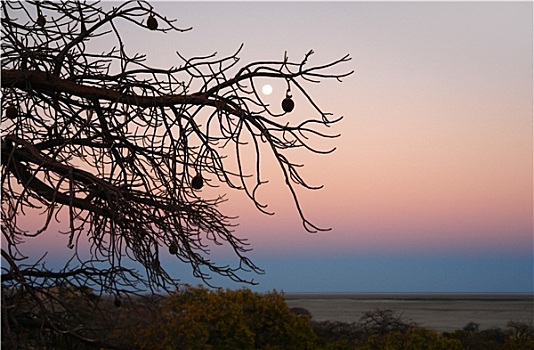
[518,336]
[381,321]
[199,318]
[412,338]
[337,335]
[380,330]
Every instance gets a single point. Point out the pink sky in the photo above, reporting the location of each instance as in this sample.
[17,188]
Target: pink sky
[436,146]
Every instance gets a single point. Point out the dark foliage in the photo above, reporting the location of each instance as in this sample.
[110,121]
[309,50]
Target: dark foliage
[518,335]
[338,335]
[198,318]
[382,321]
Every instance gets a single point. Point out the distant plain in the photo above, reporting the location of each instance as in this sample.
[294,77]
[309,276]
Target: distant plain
[440,312]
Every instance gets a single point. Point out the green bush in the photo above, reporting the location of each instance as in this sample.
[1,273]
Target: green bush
[198,318]
[413,338]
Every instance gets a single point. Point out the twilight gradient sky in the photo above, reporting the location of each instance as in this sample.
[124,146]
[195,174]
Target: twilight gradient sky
[431,187]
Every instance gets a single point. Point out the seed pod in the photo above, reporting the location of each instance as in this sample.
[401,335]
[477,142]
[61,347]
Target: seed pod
[152,23]
[117,302]
[41,20]
[197,182]
[173,248]
[288,104]
[11,112]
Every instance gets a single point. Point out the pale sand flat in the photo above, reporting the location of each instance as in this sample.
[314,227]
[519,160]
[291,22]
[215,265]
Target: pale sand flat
[441,312]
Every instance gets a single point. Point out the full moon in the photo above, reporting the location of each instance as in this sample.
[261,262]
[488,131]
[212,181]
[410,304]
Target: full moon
[267,89]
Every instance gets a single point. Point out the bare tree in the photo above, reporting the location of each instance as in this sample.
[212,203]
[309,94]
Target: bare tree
[124,150]
[383,321]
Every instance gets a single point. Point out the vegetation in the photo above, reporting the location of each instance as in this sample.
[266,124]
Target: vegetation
[196,318]
[200,318]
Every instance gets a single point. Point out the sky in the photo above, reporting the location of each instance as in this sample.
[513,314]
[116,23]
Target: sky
[430,188]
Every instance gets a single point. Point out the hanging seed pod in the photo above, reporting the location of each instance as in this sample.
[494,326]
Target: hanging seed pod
[41,20]
[197,182]
[173,248]
[288,104]
[152,23]
[155,264]
[117,302]
[12,112]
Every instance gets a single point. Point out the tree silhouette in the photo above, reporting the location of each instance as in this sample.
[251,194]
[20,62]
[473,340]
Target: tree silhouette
[125,152]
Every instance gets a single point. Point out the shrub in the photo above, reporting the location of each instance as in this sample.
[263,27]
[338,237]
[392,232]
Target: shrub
[413,338]
[518,336]
[198,318]
[337,335]
[383,321]
[521,336]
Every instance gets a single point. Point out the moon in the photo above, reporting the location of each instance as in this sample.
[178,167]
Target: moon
[267,89]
